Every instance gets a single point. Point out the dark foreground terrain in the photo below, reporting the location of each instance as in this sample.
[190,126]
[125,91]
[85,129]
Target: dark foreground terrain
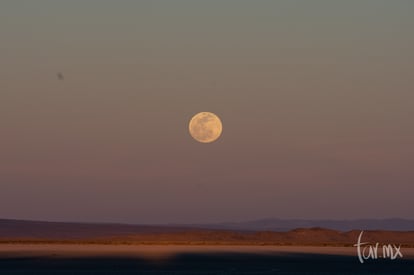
[189,260]
[225,263]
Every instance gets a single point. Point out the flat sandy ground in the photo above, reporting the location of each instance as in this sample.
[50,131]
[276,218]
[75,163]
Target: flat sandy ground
[166,251]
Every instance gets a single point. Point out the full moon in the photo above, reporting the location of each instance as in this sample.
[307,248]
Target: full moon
[205,127]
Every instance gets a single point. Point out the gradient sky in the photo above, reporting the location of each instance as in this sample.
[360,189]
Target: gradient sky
[316,100]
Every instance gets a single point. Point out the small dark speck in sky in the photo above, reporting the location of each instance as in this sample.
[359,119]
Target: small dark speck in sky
[60,76]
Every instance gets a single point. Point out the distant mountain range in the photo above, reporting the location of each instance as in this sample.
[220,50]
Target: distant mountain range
[264,232]
[281,225]
[22,229]
[39,229]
